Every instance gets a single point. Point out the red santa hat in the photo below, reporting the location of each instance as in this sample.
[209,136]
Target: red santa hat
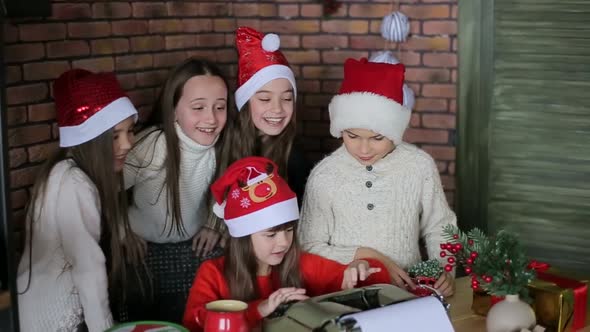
[259,62]
[251,196]
[88,104]
[370,97]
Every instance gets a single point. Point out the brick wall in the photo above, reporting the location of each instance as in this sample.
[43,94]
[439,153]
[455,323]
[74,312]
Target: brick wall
[140,40]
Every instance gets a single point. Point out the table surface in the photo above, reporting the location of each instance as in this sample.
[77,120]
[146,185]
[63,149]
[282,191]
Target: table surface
[464,320]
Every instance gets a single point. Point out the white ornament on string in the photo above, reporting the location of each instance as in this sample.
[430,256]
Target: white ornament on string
[388,57]
[395,27]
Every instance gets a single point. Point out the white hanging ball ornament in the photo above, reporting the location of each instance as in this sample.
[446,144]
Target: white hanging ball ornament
[271,42]
[384,57]
[409,98]
[395,27]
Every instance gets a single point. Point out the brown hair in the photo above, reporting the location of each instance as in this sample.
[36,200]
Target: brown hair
[91,157]
[162,122]
[241,266]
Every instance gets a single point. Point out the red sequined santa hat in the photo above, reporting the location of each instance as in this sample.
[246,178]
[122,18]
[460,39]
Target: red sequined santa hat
[251,196]
[370,97]
[259,62]
[88,104]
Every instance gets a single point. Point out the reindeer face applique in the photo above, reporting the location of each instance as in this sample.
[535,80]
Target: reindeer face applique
[260,186]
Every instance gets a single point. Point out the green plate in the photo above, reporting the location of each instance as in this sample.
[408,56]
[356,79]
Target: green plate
[147,326]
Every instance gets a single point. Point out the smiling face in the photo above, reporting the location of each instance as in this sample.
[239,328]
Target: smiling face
[366,146]
[123,139]
[270,247]
[201,111]
[271,107]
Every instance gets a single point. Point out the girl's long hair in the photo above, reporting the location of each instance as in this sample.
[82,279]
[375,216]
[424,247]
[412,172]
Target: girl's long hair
[162,122]
[95,159]
[241,266]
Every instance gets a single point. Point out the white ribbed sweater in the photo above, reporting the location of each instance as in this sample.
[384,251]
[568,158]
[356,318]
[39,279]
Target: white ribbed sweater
[148,214]
[387,207]
[68,279]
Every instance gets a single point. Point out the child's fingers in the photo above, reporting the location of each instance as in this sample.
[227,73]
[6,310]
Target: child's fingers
[362,272]
[373,270]
[440,280]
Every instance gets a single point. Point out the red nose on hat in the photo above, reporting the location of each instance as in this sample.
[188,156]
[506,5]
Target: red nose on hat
[251,197]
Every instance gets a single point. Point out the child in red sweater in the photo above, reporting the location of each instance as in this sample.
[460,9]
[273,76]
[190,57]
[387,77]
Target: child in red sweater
[263,265]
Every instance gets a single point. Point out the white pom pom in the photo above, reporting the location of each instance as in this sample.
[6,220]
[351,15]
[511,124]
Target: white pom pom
[395,27]
[219,210]
[384,57]
[271,42]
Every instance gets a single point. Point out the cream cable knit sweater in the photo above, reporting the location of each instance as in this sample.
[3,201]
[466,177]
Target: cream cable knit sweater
[148,215]
[387,206]
[68,273]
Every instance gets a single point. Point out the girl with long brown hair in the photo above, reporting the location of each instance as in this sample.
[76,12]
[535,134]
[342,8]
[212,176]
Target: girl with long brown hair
[170,170]
[263,264]
[77,207]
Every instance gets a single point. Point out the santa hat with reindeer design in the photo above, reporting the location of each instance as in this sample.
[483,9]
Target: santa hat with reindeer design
[259,62]
[251,196]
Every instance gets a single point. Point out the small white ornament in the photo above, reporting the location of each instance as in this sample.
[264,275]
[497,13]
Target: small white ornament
[271,42]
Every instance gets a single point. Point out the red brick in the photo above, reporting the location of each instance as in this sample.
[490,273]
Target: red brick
[147,43]
[54,131]
[67,48]
[423,12]
[253,23]
[321,100]
[23,177]
[288,11]
[10,32]
[454,42]
[331,87]
[70,11]
[89,29]
[439,27]
[312,86]
[369,10]
[454,75]
[345,26]
[315,10]
[450,195]
[427,75]
[149,9]
[197,25]
[246,9]
[168,59]
[453,106]
[290,41]
[132,62]
[127,81]
[439,90]
[325,41]
[448,182]
[16,115]
[23,52]
[19,199]
[151,78]
[224,25]
[440,152]
[209,40]
[297,57]
[13,74]
[40,152]
[180,41]
[110,46]
[203,54]
[316,129]
[182,8]
[415,120]
[323,72]
[338,57]
[214,9]
[17,157]
[455,11]
[452,168]
[226,56]
[267,10]
[430,104]
[409,58]
[441,166]
[41,112]
[28,135]
[129,27]
[284,26]
[440,60]
[26,93]
[428,43]
[369,42]
[413,135]
[142,97]
[442,121]
[95,64]
[165,26]
[111,10]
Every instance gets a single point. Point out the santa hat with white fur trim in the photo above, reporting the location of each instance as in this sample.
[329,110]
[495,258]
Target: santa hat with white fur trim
[370,97]
[88,104]
[259,62]
[251,196]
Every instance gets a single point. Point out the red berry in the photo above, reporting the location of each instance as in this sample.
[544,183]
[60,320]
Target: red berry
[443,246]
[455,236]
[474,287]
[469,261]
[453,250]
[470,242]
[451,260]
[448,268]
[474,282]
[443,254]
[468,270]
[488,279]
[458,246]
[474,254]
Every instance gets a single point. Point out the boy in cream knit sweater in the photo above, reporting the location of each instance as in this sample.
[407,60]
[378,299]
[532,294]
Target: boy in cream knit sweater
[375,196]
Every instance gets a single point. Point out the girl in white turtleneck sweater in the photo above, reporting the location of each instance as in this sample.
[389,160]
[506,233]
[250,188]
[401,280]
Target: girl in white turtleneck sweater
[170,169]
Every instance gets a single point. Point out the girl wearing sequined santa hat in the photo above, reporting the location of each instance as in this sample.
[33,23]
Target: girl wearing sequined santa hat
[263,264]
[375,177]
[265,102]
[76,207]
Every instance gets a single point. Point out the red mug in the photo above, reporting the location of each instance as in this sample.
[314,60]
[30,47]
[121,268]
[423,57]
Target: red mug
[226,316]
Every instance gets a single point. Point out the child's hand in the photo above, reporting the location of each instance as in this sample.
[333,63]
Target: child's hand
[204,241]
[281,295]
[399,277]
[445,284]
[357,270]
